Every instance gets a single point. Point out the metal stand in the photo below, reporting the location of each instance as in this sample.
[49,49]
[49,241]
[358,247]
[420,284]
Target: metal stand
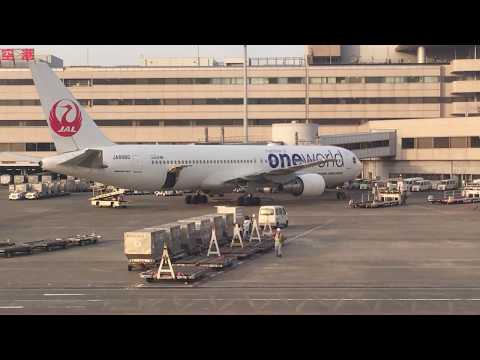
[213,243]
[269,232]
[255,231]
[237,237]
[168,264]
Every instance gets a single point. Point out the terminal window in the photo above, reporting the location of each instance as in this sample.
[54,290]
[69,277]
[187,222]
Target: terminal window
[441,142]
[475,141]
[408,143]
[425,143]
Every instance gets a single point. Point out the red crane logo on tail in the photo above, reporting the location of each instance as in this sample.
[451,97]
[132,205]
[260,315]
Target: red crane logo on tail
[65,118]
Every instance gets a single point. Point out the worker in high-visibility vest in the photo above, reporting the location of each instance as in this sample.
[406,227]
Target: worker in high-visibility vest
[279,240]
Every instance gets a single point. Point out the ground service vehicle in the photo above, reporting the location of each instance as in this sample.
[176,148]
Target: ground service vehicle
[16,196]
[274,215]
[421,185]
[448,184]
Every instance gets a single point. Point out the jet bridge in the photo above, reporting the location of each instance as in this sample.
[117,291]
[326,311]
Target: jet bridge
[365,145]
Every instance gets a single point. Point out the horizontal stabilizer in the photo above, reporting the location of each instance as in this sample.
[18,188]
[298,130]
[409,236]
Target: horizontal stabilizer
[90,158]
[12,157]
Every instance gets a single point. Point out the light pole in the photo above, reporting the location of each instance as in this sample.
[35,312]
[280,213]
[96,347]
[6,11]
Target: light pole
[307,94]
[245,96]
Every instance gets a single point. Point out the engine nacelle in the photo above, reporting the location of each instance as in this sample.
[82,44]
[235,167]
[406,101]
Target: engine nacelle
[306,185]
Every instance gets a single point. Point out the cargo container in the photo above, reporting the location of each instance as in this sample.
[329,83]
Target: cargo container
[144,246]
[191,242]
[5,179]
[53,188]
[81,186]
[22,187]
[61,186]
[237,212]
[18,179]
[11,188]
[229,222]
[174,243]
[218,223]
[41,188]
[33,179]
[46,178]
[203,228]
[70,186]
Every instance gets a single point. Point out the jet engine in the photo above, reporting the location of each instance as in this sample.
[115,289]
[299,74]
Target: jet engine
[305,185]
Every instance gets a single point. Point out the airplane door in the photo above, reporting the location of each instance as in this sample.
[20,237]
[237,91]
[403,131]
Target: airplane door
[137,164]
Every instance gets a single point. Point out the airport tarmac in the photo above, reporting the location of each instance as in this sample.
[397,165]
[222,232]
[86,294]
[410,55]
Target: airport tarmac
[417,259]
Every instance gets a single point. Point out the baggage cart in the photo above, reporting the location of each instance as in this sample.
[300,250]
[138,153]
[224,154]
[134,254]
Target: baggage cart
[13,250]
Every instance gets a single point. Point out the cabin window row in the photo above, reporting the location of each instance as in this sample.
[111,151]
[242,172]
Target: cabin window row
[195,162]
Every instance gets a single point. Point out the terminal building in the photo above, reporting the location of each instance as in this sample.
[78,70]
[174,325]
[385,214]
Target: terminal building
[406,109]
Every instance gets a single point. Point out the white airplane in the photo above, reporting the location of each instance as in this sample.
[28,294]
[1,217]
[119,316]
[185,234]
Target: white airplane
[85,152]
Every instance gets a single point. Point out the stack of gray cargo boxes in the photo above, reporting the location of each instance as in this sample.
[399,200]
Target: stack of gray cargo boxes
[174,243]
[189,237]
[204,230]
[70,186]
[218,223]
[81,186]
[144,246]
[53,188]
[228,220]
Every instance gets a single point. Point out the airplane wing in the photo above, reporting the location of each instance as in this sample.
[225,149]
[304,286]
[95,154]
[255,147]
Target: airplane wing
[90,158]
[282,175]
[288,170]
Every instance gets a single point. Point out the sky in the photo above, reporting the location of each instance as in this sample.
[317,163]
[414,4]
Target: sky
[110,55]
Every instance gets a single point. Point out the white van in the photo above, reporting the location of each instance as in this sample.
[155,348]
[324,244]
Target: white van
[449,184]
[274,215]
[406,184]
[421,185]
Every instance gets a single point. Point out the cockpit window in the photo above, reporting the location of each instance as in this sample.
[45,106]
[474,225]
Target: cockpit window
[354,160]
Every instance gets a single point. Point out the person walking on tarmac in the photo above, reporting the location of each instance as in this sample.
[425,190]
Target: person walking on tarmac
[279,240]
[247,223]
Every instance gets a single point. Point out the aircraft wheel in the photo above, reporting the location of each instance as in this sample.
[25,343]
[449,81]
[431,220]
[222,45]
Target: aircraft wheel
[188,199]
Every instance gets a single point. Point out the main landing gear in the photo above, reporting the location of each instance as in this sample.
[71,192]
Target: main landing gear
[196,199]
[248,200]
[340,193]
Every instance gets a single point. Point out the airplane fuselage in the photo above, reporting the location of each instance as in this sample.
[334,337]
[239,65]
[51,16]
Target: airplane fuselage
[201,167]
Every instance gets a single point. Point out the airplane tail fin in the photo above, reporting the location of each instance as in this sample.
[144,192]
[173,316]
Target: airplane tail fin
[71,127]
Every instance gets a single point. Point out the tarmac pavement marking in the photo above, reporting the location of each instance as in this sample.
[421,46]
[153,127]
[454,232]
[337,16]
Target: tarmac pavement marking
[63,294]
[328,222]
